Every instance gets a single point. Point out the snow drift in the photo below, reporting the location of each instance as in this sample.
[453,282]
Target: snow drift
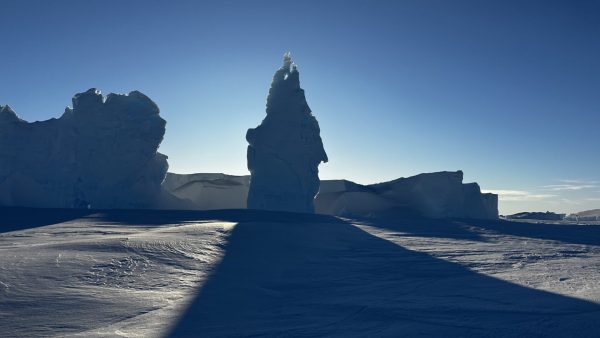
[102,153]
[285,150]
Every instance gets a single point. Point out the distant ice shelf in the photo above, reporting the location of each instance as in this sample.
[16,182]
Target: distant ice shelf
[433,195]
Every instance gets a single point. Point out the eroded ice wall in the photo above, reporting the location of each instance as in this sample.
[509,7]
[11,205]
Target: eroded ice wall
[285,150]
[102,153]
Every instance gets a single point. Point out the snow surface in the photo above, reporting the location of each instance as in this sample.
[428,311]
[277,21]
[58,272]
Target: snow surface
[285,150]
[250,273]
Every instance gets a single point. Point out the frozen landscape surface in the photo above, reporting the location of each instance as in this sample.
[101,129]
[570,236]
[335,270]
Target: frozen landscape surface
[247,273]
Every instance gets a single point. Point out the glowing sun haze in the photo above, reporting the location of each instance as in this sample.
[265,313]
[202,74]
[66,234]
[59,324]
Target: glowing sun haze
[505,91]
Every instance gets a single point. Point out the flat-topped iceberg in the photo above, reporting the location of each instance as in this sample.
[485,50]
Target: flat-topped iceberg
[433,195]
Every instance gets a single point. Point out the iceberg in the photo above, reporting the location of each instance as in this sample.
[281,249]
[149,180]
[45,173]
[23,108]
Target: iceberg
[430,195]
[285,150]
[102,153]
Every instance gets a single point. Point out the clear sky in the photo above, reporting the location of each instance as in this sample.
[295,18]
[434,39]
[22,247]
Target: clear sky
[507,91]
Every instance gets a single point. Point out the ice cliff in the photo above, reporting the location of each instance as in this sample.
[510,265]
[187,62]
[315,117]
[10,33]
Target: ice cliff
[285,150]
[102,153]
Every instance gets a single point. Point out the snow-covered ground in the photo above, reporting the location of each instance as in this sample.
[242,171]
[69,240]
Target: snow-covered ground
[249,273]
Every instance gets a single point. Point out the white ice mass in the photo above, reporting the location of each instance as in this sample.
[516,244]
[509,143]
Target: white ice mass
[285,150]
[433,195]
[102,153]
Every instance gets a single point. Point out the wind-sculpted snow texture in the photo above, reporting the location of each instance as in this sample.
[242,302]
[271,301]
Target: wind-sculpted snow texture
[102,153]
[249,273]
[285,150]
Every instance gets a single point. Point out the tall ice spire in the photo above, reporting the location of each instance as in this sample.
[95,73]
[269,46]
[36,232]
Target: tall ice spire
[285,150]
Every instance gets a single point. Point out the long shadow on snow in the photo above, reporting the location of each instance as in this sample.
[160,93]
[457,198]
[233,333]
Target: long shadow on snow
[567,233]
[471,229]
[427,227]
[13,219]
[325,277]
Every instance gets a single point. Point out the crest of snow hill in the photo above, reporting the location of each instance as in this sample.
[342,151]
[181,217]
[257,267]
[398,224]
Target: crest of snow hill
[102,154]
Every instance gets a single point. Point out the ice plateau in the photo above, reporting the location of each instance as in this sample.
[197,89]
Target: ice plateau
[286,149]
[102,153]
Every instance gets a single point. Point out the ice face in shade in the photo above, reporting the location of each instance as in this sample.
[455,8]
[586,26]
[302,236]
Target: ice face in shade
[285,150]
[102,153]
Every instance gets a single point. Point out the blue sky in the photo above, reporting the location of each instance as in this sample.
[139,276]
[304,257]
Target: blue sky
[507,91]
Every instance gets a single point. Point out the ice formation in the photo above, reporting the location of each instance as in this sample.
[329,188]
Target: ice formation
[102,153]
[209,191]
[542,216]
[285,150]
[585,216]
[433,195]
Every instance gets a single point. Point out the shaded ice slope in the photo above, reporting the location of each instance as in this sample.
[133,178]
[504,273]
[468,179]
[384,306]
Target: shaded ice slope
[209,191]
[439,195]
[243,272]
